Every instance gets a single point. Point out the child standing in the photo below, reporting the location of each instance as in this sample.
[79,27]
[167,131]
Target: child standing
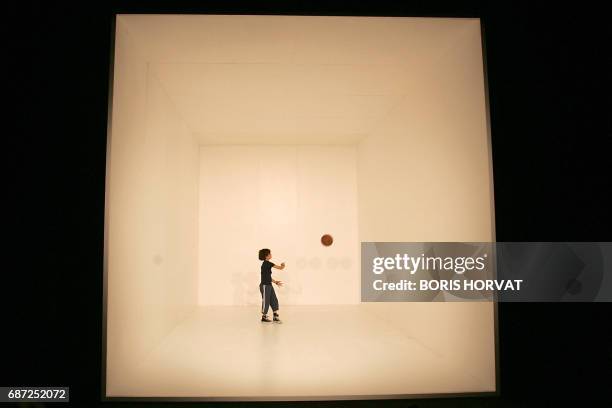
[268,296]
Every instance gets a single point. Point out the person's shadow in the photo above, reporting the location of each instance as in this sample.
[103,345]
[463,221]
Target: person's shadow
[238,285]
[245,294]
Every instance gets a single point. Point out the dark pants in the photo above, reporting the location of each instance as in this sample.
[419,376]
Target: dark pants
[268,298]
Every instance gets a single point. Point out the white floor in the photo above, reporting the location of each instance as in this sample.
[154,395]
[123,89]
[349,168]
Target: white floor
[318,352]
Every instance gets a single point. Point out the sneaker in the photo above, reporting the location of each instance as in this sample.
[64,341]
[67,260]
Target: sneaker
[277,320]
[265,318]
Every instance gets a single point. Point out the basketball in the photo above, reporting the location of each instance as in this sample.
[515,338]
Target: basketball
[327,240]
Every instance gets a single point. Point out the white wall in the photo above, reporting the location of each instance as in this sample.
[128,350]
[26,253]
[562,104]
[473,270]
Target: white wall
[152,214]
[423,175]
[283,198]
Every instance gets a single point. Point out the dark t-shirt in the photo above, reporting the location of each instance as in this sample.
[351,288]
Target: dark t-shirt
[266,272]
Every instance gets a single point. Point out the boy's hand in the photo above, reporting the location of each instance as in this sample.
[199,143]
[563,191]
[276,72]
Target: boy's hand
[278,283]
[283,264]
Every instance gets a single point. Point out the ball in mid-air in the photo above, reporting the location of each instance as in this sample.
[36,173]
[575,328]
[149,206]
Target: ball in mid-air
[327,240]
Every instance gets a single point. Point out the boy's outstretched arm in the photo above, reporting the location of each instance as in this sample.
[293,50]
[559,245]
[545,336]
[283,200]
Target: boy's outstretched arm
[281,266]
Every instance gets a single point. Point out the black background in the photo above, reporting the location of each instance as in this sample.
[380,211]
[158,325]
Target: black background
[549,86]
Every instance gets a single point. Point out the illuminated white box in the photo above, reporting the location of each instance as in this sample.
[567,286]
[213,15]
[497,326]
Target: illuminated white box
[231,133]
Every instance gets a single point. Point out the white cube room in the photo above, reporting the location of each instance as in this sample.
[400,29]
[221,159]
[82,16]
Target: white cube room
[232,133]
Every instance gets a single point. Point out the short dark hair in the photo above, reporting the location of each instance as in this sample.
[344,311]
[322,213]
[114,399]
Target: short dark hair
[263,253]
